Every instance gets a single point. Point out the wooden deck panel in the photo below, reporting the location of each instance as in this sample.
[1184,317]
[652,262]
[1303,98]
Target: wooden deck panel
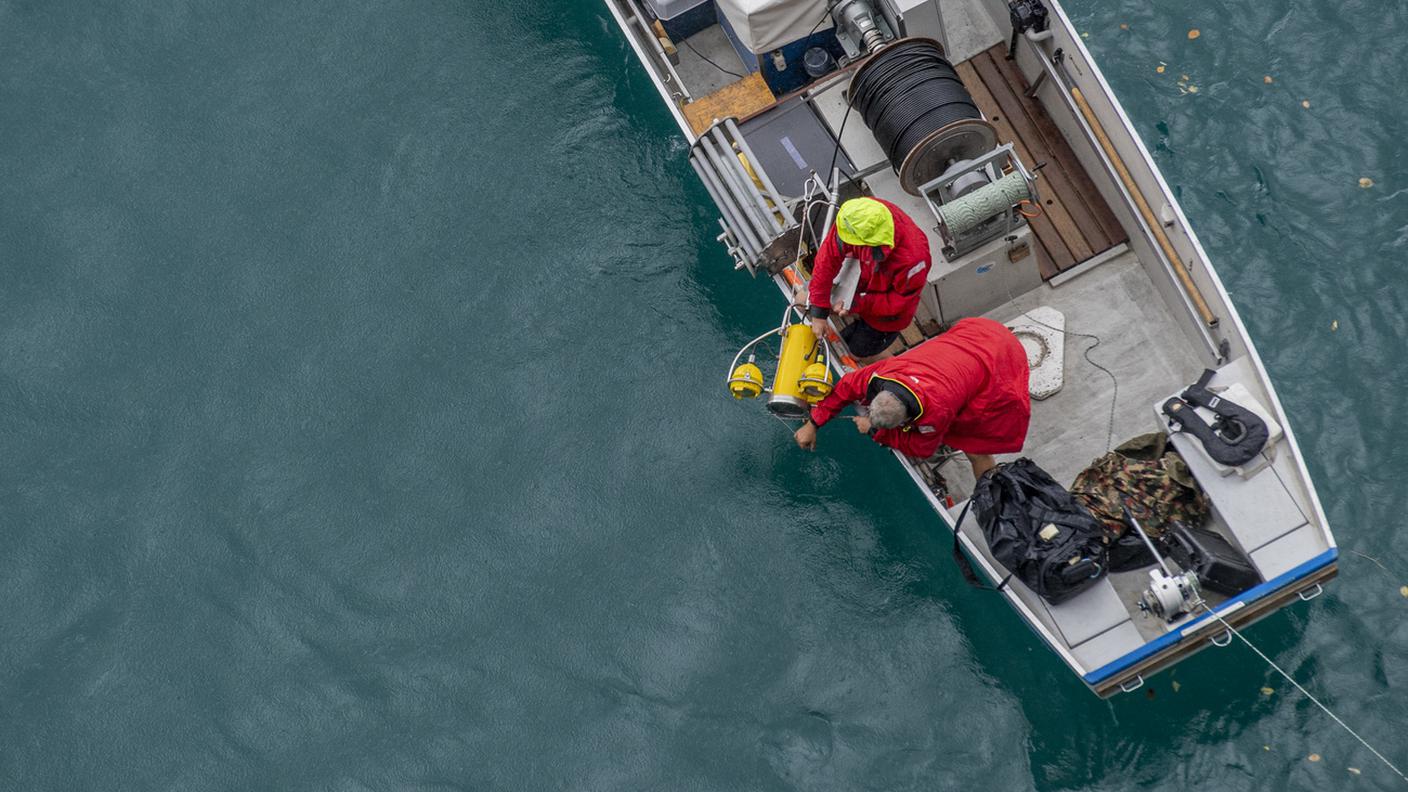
[1078,229]
[1054,225]
[1059,146]
[739,99]
[1075,223]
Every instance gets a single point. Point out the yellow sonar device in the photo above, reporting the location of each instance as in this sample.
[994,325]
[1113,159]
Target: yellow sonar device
[802,376]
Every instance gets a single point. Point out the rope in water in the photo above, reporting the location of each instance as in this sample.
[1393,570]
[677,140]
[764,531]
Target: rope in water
[1304,692]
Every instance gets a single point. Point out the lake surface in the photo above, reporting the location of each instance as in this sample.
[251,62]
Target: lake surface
[362,427]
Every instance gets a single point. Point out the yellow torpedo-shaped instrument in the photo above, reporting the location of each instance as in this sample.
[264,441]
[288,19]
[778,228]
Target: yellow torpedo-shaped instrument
[802,376]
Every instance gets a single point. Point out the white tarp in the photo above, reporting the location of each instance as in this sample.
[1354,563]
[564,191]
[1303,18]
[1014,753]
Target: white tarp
[765,25]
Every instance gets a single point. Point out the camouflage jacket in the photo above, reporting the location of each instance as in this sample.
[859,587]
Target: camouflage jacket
[1151,478]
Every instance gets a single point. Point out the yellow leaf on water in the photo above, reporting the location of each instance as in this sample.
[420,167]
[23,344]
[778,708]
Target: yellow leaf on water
[1184,78]
[1266,691]
[1404,591]
[1192,89]
[1085,34]
[1159,68]
[1267,79]
[1314,757]
[1176,686]
[1366,182]
[1192,34]
[1124,26]
[1355,770]
[1334,325]
[1305,103]
[1265,747]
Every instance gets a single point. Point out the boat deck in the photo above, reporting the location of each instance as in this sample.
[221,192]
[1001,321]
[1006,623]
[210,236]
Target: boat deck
[1138,342]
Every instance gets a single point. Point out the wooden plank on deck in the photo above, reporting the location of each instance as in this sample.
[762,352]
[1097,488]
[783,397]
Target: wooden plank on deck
[1058,254]
[1112,233]
[739,99]
[1058,186]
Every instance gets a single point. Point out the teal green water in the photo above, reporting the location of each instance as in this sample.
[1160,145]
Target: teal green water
[361,425]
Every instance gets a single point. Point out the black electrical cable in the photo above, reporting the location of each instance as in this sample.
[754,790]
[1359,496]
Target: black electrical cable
[837,150]
[705,58]
[907,92]
[824,14]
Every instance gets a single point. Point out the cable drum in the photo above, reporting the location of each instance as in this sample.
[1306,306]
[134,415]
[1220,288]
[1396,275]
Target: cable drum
[923,117]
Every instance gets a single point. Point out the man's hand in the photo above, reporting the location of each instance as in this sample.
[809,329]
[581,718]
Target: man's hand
[819,327]
[863,425]
[806,437]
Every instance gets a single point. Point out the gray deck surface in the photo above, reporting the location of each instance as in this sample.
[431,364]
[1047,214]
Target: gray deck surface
[1139,343]
[702,77]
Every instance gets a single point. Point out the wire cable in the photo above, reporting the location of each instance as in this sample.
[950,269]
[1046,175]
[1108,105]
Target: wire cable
[1303,691]
[706,59]
[824,15]
[1115,381]
[837,150]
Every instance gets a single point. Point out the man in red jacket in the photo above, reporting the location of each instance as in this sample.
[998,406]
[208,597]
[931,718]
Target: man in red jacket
[893,255]
[966,388]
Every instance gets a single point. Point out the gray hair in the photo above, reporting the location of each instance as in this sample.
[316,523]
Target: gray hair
[887,411]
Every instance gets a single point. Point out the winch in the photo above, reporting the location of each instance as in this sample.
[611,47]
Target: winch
[802,376]
[1169,595]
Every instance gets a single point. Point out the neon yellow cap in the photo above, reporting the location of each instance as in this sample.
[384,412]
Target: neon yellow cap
[865,221]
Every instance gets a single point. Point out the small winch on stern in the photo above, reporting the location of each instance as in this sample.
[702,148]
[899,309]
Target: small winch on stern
[1169,595]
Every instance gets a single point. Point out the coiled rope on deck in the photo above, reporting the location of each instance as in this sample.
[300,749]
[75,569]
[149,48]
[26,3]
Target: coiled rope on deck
[907,92]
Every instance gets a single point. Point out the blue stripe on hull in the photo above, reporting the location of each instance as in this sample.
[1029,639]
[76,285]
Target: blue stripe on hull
[1249,596]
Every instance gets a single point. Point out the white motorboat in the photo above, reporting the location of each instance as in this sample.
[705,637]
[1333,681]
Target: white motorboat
[1045,212]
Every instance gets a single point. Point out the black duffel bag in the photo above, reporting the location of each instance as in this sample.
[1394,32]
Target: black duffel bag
[1037,531]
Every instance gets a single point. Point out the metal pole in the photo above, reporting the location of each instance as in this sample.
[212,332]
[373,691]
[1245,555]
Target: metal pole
[757,164]
[728,177]
[742,231]
[832,205]
[771,226]
[1129,518]
[659,50]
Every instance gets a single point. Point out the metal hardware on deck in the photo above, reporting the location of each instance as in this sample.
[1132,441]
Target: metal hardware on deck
[966,184]
[1030,93]
[1027,16]
[1125,687]
[859,29]
[759,226]
[673,76]
[1317,588]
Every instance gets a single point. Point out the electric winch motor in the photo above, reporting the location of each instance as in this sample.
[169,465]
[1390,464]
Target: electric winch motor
[1170,596]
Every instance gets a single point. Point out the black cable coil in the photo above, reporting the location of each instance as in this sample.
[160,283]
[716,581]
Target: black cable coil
[907,92]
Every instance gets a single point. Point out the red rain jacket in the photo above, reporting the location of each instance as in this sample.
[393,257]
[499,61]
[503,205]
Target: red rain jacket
[971,384]
[889,291]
